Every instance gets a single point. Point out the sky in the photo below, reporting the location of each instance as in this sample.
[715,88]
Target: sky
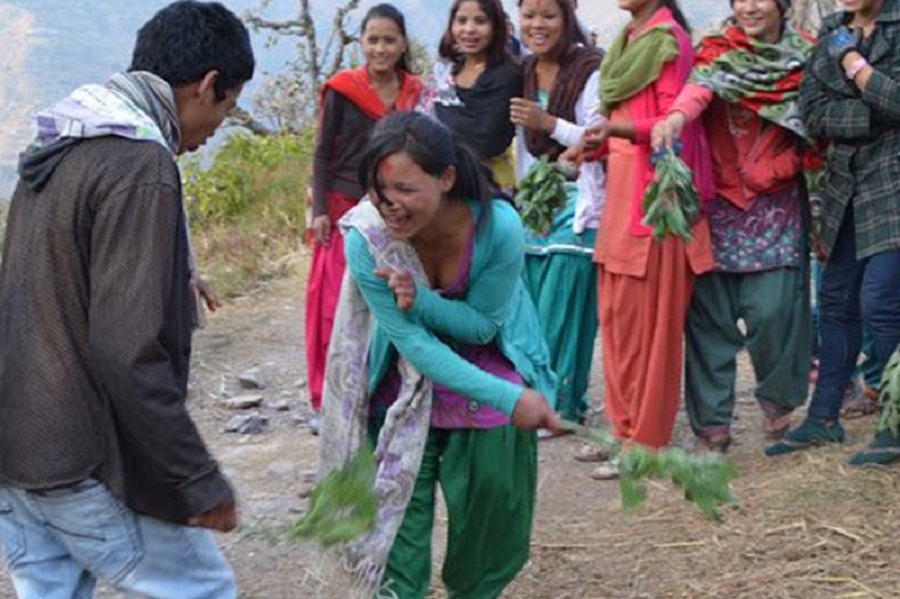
[49,47]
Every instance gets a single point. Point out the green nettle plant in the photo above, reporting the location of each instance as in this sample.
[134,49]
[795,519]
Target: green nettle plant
[343,505]
[672,203]
[541,194]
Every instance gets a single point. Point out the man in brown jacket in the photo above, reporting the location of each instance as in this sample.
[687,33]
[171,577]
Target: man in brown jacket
[102,471]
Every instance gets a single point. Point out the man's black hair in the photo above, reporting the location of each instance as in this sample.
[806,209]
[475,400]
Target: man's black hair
[187,39]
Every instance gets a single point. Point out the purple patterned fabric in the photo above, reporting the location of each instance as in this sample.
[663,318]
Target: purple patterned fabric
[764,237]
[451,410]
[345,412]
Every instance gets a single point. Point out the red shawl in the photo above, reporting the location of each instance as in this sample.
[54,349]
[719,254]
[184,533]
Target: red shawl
[354,85]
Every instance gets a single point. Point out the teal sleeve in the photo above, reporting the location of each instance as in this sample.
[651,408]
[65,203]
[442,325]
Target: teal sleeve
[478,318]
[417,344]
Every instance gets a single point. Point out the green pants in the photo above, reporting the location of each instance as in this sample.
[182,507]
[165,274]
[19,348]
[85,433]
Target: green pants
[488,479]
[775,306]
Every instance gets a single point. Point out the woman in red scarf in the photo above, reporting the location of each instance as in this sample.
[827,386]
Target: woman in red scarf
[746,86]
[352,101]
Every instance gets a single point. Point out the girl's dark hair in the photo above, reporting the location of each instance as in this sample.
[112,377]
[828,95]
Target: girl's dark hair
[572,33]
[431,145]
[672,5]
[498,50]
[187,39]
[389,11]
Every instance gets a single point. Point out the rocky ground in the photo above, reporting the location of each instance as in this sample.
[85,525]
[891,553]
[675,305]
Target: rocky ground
[804,527]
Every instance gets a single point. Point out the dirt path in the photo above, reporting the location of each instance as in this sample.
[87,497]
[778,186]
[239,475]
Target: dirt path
[806,527]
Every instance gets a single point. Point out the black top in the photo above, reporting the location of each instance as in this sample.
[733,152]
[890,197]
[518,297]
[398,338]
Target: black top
[481,117]
[95,334]
[343,136]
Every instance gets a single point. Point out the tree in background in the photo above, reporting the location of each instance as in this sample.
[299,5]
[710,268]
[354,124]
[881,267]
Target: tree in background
[287,101]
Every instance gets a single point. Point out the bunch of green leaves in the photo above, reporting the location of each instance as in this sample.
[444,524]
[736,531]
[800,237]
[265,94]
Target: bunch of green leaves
[890,396]
[672,203]
[541,194]
[343,505]
[705,479]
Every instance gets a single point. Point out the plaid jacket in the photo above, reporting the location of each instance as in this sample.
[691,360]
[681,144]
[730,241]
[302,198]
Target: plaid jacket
[864,133]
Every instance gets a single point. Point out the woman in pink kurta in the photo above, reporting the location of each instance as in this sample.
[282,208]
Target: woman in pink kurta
[645,285]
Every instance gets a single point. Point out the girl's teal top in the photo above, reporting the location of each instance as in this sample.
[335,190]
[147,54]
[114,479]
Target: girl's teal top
[496,307]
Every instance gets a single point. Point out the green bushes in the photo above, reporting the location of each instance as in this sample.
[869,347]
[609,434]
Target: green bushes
[247,208]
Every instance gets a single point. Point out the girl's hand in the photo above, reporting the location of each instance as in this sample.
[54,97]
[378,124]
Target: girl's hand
[667,131]
[530,115]
[573,156]
[596,135]
[321,226]
[533,412]
[402,284]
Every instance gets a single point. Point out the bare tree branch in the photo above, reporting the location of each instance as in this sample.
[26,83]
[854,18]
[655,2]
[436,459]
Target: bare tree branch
[287,103]
[292,27]
[344,38]
[241,118]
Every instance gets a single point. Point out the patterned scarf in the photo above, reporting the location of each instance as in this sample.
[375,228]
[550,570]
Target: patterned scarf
[401,442]
[137,105]
[632,65]
[765,79]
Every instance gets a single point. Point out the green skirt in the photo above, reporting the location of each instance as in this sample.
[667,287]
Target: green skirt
[561,276]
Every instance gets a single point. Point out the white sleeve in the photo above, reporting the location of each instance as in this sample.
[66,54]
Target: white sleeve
[524,159]
[587,112]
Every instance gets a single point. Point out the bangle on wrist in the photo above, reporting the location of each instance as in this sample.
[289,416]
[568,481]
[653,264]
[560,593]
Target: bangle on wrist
[858,65]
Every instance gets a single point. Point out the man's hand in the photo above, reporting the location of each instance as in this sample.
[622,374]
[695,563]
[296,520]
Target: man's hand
[206,291]
[222,518]
[402,284]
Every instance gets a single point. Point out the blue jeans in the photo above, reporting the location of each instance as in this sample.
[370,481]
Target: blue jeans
[854,294]
[59,543]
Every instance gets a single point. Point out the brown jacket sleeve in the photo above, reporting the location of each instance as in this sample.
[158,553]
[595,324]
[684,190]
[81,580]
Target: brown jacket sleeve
[139,332]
